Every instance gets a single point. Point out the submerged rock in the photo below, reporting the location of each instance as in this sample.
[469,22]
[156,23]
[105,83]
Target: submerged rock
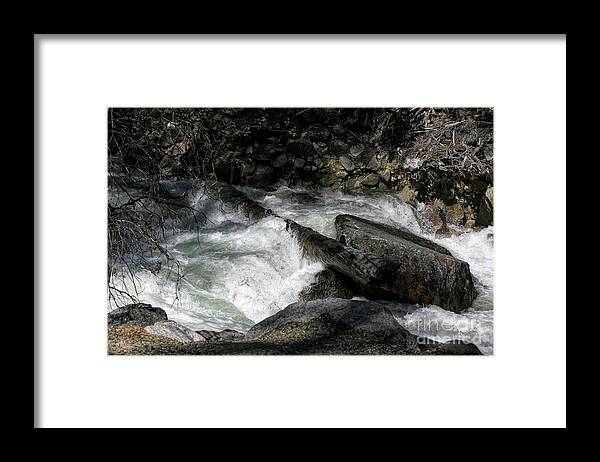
[328,284]
[174,331]
[411,268]
[139,314]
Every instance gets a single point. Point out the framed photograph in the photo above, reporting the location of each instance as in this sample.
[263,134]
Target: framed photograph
[300,220]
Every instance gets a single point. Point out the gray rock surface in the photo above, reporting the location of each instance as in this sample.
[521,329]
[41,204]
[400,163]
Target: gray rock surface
[486,208]
[175,331]
[140,314]
[328,284]
[413,269]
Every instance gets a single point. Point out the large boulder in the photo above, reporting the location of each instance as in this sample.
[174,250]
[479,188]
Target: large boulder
[328,284]
[412,269]
[338,326]
[140,314]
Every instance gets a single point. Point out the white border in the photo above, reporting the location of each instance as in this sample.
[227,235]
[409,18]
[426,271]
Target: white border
[523,384]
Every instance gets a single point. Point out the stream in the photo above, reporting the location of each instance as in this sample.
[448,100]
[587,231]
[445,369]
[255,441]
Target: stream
[237,273]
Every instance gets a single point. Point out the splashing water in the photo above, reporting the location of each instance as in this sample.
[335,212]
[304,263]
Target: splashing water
[237,273]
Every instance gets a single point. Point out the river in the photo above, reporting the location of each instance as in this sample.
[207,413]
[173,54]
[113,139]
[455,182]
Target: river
[237,273]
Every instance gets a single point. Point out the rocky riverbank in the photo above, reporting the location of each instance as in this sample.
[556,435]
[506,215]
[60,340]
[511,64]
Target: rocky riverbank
[331,326]
[439,157]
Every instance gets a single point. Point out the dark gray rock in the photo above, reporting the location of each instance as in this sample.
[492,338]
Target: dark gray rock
[280,160]
[374,163]
[328,284]
[139,314]
[299,163]
[237,199]
[174,331]
[356,150]
[485,217]
[347,163]
[385,175]
[413,269]
[338,326]
[334,316]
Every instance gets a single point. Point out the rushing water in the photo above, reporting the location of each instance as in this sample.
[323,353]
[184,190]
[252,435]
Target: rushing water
[237,273]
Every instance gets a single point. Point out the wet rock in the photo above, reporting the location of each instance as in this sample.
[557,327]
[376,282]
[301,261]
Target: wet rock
[174,331]
[412,268]
[373,163]
[370,180]
[328,284]
[238,200]
[485,217]
[139,314]
[280,160]
[338,326]
[299,163]
[341,175]
[385,175]
[356,150]
[346,163]
[313,320]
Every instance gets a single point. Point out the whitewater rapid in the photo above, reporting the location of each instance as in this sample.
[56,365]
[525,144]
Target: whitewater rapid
[237,273]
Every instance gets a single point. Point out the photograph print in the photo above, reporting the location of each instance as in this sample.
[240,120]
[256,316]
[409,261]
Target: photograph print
[300,231]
